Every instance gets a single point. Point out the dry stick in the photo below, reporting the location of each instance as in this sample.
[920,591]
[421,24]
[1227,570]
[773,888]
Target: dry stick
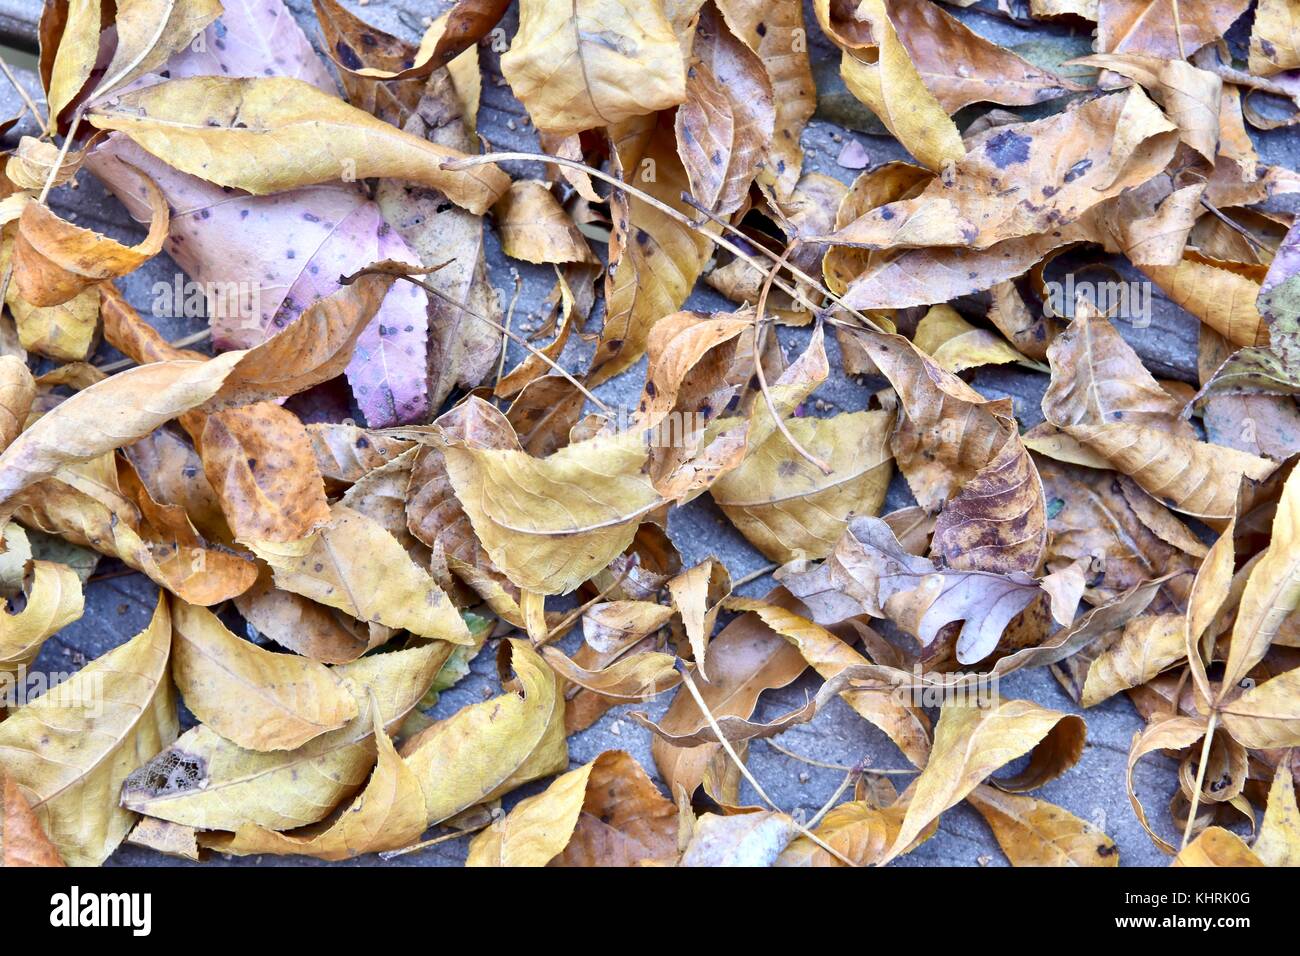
[438,293]
[1236,226]
[754,575]
[771,742]
[194,338]
[1200,776]
[510,315]
[744,771]
[389,854]
[759,329]
[577,612]
[22,92]
[844,785]
[63,154]
[677,215]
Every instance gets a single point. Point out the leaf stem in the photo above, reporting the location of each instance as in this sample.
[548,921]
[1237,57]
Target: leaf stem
[1200,776]
[667,210]
[744,771]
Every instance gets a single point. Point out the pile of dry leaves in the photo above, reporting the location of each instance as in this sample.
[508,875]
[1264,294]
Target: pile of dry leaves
[341,239]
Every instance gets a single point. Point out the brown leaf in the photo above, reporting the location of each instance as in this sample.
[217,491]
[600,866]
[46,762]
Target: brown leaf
[22,841]
[727,120]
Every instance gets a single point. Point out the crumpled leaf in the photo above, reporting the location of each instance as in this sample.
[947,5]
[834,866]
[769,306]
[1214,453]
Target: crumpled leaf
[594,63]
[697,595]
[1147,646]
[17,392]
[54,260]
[53,600]
[74,746]
[534,226]
[253,697]
[1165,28]
[870,573]
[205,781]
[746,839]
[1102,395]
[728,117]
[1217,847]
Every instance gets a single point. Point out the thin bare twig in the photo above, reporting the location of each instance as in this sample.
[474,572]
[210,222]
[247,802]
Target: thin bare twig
[744,771]
[568,619]
[1236,227]
[26,98]
[510,315]
[677,215]
[1200,776]
[519,340]
[754,575]
[389,854]
[759,330]
[839,791]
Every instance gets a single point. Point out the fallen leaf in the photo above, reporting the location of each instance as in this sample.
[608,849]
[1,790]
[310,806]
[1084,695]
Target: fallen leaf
[1033,832]
[283,700]
[77,743]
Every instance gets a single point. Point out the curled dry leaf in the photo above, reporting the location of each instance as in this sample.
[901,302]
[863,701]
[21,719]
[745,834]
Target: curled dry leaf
[205,781]
[534,226]
[54,260]
[594,63]
[869,572]
[53,600]
[637,676]
[80,740]
[17,392]
[352,563]
[457,771]
[387,815]
[697,595]
[190,122]
[253,697]
[746,839]
[971,742]
[1102,395]
[605,813]
[728,117]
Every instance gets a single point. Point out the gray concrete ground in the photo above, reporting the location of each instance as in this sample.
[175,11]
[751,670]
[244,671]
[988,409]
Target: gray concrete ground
[118,607]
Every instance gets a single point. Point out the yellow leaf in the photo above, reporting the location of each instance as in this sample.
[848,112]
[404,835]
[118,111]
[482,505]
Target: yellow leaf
[253,697]
[488,749]
[1278,843]
[971,742]
[593,63]
[53,601]
[355,565]
[1033,832]
[236,131]
[1148,646]
[72,748]
[387,815]
[551,523]
[207,782]
[1219,848]
[957,345]
[534,226]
